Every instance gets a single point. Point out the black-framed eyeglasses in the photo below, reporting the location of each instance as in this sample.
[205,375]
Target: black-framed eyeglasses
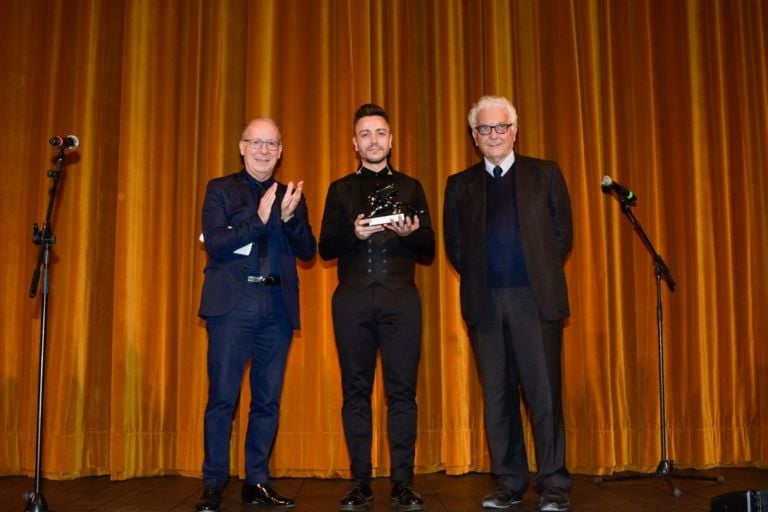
[257,144]
[485,129]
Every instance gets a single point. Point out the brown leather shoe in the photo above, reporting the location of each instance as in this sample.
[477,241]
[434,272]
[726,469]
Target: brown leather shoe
[264,494]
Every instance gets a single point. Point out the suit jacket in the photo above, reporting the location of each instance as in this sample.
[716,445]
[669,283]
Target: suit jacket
[230,221]
[385,258]
[546,234]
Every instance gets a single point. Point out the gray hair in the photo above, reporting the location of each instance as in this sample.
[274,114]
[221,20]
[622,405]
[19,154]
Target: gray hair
[489,102]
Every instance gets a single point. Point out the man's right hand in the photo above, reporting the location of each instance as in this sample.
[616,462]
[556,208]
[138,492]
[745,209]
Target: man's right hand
[363,229]
[266,202]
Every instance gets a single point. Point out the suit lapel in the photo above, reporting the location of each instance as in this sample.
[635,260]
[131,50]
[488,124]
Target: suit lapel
[524,184]
[476,195]
[242,192]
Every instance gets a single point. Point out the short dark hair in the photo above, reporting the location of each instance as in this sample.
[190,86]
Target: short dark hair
[369,109]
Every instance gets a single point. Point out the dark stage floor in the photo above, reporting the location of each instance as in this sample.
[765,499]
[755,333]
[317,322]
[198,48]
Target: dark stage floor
[441,493]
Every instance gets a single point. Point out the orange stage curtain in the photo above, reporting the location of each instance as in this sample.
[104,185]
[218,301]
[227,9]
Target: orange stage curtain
[669,97]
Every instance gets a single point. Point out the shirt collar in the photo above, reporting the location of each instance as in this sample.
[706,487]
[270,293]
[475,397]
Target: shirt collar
[366,171]
[261,184]
[505,164]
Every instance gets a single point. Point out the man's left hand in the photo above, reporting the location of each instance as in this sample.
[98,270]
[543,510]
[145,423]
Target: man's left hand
[404,227]
[290,200]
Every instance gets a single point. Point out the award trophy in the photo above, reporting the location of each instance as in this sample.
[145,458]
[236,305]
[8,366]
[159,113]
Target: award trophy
[385,207]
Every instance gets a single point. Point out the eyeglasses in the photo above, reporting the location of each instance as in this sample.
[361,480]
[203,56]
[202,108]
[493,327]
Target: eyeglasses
[257,144]
[501,129]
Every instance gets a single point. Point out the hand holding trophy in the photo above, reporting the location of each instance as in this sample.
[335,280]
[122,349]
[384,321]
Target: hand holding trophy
[387,211]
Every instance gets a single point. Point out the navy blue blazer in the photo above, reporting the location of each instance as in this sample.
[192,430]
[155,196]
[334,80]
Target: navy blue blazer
[546,234]
[230,221]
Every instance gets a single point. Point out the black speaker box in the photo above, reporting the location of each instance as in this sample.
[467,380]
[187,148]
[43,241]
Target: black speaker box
[742,501]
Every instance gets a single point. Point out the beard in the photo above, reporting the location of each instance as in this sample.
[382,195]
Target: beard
[368,158]
[377,160]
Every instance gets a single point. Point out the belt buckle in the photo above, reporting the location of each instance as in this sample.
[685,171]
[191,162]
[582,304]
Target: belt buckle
[264,280]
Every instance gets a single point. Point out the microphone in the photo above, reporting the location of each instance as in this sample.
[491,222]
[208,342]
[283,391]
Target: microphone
[624,193]
[70,141]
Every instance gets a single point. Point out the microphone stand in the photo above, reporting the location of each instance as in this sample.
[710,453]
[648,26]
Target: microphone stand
[665,469]
[45,239]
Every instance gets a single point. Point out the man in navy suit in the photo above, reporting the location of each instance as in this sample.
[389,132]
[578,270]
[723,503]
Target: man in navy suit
[507,226]
[254,228]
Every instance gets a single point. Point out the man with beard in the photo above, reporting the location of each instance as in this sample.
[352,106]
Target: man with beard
[376,306]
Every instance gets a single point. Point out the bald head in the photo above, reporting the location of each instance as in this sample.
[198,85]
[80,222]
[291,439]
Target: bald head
[261,147]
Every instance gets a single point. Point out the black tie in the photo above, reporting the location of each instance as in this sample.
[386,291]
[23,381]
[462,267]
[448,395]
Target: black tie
[497,172]
[263,245]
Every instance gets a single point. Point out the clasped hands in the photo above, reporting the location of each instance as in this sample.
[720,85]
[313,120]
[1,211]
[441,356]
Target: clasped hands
[287,206]
[363,229]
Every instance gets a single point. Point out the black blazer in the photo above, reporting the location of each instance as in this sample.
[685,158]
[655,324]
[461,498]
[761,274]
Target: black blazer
[230,221]
[546,234]
[390,258]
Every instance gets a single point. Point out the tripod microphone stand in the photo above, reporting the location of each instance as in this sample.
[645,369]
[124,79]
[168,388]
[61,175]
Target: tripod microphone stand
[665,469]
[45,238]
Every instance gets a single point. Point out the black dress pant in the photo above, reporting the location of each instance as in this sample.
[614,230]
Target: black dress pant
[516,350]
[365,322]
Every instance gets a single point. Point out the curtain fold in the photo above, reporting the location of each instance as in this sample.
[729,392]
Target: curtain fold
[670,98]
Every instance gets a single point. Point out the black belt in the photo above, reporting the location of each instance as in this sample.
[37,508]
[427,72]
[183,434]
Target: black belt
[264,280]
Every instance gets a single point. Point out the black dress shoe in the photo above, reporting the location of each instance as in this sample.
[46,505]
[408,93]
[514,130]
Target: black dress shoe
[357,498]
[406,498]
[502,497]
[264,494]
[554,499]
[211,498]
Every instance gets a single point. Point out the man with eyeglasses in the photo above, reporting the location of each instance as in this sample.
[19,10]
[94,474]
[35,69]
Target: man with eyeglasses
[507,226]
[254,228]
[376,306]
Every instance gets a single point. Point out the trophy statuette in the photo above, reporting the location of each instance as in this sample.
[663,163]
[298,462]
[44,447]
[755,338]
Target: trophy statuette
[385,207]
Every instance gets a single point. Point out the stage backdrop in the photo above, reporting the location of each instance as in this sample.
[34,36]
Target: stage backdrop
[667,97]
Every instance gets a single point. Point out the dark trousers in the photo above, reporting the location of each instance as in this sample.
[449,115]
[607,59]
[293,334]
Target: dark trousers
[365,322]
[258,329]
[515,349]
